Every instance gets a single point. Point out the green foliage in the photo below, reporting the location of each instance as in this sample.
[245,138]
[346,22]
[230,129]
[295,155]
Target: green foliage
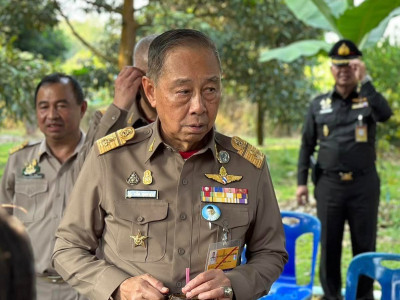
[20,73]
[383,62]
[51,43]
[364,24]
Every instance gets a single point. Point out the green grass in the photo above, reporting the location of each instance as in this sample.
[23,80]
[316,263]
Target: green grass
[4,155]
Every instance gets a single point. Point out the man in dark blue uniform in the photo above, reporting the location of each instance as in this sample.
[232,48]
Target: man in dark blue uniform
[342,123]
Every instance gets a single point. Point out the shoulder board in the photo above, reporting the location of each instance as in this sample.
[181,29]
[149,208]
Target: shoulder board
[115,140]
[249,152]
[18,147]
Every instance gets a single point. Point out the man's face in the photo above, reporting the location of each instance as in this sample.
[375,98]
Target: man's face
[186,96]
[343,75]
[58,114]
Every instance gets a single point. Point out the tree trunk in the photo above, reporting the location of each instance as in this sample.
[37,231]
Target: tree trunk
[260,123]
[128,35]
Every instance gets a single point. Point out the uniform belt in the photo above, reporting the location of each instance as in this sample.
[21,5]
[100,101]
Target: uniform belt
[346,175]
[54,278]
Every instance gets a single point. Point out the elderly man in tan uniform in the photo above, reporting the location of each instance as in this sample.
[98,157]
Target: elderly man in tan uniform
[37,178]
[144,194]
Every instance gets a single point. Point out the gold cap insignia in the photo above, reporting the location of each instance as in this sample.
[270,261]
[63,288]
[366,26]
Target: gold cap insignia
[249,152]
[343,50]
[115,139]
[139,239]
[18,147]
[223,177]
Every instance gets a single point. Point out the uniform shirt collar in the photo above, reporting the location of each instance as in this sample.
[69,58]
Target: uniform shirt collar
[43,148]
[155,142]
[135,115]
[335,95]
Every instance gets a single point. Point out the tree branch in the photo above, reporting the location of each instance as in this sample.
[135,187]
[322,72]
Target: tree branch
[105,6]
[83,41]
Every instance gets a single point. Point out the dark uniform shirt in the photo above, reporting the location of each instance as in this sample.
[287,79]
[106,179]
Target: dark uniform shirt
[331,123]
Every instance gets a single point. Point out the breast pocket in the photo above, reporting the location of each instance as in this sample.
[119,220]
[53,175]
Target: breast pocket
[30,199]
[235,218]
[142,218]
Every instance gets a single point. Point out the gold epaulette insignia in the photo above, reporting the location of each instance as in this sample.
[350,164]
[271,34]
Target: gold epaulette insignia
[18,147]
[103,111]
[249,152]
[115,139]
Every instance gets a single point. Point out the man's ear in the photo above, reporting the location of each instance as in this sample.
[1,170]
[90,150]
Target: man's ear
[83,108]
[149,90]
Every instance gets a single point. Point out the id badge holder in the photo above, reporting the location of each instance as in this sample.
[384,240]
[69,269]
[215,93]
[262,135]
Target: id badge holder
[223,255]
[361,134]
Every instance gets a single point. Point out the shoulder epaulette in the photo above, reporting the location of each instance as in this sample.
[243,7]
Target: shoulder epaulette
[249,152]
[18,147]
[115,139]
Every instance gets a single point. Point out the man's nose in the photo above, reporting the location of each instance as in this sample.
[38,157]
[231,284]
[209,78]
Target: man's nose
[197,104]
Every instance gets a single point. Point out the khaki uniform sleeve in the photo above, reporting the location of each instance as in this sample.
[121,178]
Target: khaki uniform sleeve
[266,253]
[7,188]
[77,237]
[100,125]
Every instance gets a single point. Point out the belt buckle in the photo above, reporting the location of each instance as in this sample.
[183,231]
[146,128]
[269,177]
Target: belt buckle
[346,176]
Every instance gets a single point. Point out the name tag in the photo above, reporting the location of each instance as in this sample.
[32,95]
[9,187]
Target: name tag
[139,194]
[325,111]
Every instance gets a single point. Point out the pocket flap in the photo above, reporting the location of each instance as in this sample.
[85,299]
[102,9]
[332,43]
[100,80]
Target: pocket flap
[141,211]
[31,187]
[232,217]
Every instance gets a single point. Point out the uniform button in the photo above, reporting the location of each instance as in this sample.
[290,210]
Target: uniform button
[184,181]
[181,251]
[182,216]
[113,117]
[179,284]
[140,219]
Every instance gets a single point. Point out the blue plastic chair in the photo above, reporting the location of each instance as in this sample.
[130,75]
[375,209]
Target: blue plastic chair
[369,264]
[286,286]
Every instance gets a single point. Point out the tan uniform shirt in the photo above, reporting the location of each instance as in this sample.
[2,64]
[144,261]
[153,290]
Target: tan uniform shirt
[44,199]
[178,236]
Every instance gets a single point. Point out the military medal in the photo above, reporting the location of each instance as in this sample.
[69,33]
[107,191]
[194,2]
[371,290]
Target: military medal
[147,178]
[223,177]
[138,239]
[223,157]
[325,130]
[133,179]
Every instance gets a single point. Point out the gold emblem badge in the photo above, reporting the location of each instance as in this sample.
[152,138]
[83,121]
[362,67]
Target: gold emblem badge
[133,179]
[325,130]
[139,239]
[151,148]
[343,50]
[147,178]
[31,168]
[249,152]
[223,177]
[326,104]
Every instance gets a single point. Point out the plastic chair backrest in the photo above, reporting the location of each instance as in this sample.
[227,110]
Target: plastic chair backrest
[370,264]
[305,223]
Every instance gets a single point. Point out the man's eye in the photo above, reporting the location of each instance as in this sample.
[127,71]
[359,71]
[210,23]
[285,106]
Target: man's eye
[183,92]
